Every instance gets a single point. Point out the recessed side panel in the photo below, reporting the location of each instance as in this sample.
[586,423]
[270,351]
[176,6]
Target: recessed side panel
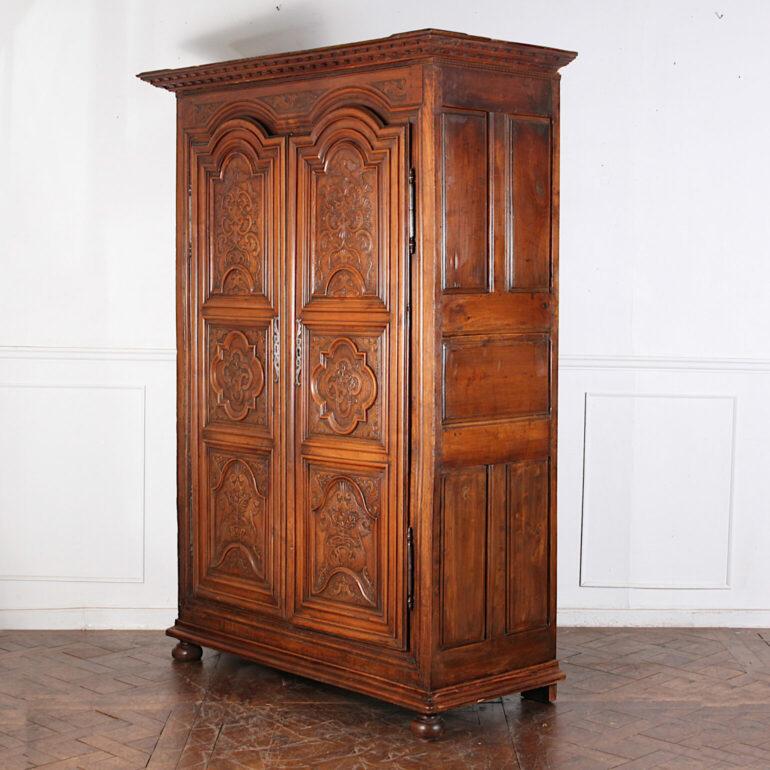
[463,556]
[465,248]
[493,378]
[529,265]
[526,563]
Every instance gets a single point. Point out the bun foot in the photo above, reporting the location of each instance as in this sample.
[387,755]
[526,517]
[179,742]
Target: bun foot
[428,727]
[187,652]
[545,694]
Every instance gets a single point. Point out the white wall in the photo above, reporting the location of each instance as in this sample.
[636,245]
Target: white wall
[664,279]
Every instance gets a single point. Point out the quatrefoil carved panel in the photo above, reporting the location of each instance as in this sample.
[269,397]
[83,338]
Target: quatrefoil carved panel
[343,385]
[237,375]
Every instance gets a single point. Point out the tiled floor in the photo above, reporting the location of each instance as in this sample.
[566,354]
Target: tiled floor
[634,698]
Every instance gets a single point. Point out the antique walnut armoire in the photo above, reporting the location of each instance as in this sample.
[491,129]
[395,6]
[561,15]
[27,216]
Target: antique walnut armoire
[367,319]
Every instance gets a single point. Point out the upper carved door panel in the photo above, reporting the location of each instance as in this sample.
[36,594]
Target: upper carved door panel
[347,178]
[241,171]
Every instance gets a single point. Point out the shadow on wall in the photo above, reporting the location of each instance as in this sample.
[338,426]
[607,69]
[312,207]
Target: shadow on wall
[285,28]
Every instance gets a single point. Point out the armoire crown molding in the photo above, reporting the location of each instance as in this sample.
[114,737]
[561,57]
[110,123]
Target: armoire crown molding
[395,49]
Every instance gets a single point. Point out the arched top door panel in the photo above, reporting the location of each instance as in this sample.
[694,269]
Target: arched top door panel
[237,208]
[349,176]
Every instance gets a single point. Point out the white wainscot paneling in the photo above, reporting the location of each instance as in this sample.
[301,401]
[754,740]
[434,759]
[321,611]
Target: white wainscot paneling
[72,482]
[657,470]
[663,490]
[87,488]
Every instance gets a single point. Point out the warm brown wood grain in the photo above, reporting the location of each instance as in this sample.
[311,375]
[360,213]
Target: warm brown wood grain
[494,377]
[529,265]
[463,556]
[527,557]
[464,183]
[366,316]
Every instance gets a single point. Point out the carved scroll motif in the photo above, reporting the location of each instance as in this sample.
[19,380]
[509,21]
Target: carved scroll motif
[346,510]
[345,260]
[239,508]
[238,229]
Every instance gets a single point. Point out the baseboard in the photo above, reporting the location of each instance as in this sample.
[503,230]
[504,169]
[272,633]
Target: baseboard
[679,618]
[163,617]
[88,618]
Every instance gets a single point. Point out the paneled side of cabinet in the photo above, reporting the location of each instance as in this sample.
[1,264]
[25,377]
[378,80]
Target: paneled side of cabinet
[496,376]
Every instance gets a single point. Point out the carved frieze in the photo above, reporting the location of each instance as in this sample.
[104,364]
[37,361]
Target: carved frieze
[201,113]
[394,89]
[297,101]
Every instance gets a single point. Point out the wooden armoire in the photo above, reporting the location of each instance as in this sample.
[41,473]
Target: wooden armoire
[366,321]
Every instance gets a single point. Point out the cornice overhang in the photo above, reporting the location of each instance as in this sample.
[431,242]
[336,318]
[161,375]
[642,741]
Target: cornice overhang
[421,45]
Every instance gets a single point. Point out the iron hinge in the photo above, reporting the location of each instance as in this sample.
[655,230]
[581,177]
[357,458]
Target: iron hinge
[412,212]
[409,569]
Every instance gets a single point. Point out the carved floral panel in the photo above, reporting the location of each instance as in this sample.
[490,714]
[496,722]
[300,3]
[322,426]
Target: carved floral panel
[238,527]
[344,539]
[238,228]
[345,258]
[237,375]
[344,386]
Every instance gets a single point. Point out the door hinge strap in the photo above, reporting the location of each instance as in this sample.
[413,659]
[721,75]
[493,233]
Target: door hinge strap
[409,569]
[412,212]
[298,355]
[277,348]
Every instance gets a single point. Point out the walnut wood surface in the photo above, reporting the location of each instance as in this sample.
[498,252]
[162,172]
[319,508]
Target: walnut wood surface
[359,360]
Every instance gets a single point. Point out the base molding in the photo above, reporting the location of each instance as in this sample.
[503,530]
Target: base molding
[644,617]
[423,701]
[85,618]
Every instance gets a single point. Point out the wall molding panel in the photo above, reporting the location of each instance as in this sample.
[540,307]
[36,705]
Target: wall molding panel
[642,542]
[92,542]
[663,363]
[655,520]
[37,540]
[88,354]
[96,600]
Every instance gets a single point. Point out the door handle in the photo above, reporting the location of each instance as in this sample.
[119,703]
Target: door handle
[298,355]
[277,348]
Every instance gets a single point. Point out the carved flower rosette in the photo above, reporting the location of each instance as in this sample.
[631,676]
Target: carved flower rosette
[343,386]
[237,375]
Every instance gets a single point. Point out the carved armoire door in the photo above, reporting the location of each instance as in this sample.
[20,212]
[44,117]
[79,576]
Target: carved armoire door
[236,199]
[349,186]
